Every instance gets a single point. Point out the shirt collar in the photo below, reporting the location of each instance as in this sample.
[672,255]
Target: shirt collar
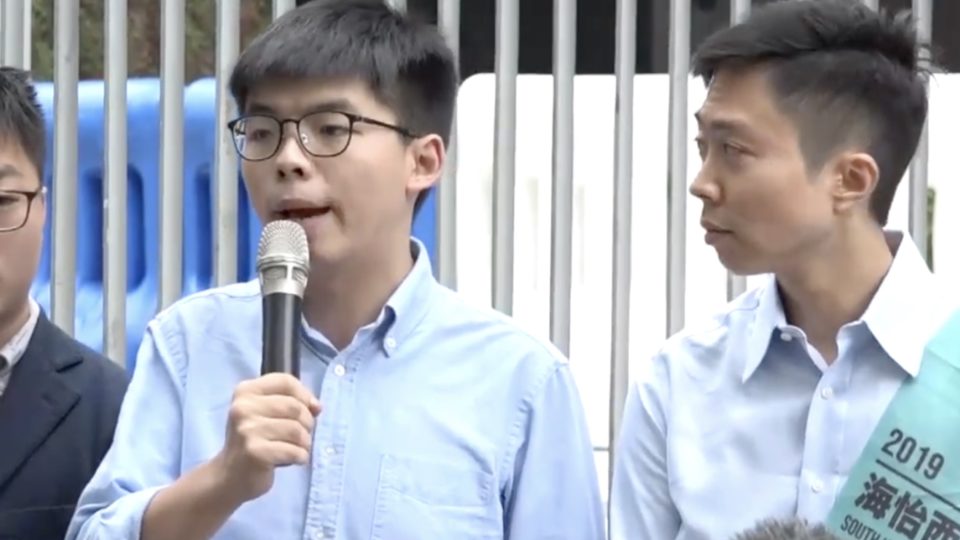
[410,302]
[907,288]
[11,351]
[768,317]
[908,307]
[399,317]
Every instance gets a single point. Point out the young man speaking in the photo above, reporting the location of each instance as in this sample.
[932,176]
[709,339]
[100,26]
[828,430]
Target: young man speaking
[416,416]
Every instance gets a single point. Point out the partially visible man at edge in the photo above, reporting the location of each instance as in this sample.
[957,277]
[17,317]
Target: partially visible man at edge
[59,400]
[439,419]
[813,112]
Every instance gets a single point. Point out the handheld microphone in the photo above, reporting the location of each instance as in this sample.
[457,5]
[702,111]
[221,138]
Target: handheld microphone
[283,263]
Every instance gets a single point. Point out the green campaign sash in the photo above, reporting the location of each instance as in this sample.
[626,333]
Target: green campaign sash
[906,484]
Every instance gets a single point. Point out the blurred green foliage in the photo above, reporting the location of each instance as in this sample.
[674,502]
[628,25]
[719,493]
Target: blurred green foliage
[143,36]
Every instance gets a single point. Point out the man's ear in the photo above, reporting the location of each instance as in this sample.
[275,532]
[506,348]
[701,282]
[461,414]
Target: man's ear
[427,157]
[855,176]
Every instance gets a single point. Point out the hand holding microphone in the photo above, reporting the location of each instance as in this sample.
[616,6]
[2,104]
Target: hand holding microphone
[271,418]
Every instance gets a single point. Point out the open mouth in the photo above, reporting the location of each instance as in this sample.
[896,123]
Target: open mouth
[299,214]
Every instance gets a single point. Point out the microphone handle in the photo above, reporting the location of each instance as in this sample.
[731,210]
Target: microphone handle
[281,334]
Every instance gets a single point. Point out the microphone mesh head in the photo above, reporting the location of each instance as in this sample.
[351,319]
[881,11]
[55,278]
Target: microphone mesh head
[283,258]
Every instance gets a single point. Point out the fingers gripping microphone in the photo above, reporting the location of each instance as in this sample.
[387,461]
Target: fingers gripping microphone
[283,263]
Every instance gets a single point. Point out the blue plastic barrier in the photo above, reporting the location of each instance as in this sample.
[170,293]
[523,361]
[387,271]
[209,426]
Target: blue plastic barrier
[143,195]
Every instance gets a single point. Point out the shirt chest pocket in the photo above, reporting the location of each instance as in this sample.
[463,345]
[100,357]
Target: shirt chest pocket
[420,498]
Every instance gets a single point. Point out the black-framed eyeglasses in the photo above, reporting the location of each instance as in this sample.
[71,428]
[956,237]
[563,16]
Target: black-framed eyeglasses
[15,208]
[322,134]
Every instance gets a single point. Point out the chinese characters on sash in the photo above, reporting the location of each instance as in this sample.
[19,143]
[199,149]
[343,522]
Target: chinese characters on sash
[906,509]
[906,484]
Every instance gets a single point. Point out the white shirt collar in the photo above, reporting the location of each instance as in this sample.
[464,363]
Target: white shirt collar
[902,316]
[11,351]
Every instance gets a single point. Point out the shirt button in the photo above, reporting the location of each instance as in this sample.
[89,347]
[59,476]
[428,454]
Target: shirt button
[786,336]
[339,370]
[330,450]
[390,343]
[826,393]
[816,485]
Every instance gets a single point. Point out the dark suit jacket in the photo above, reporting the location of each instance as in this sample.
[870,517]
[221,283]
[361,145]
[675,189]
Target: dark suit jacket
[57,418]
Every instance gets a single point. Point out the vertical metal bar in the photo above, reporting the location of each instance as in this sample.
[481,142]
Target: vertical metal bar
[282,6]
[564,70]
[13,33]
[504,157]
[27,60]
[172,24]
[448,12]
[66,45]
[225,160]
[115,180]
[873,4]
[739,11]
[677,171]
[622,215]
[923,13]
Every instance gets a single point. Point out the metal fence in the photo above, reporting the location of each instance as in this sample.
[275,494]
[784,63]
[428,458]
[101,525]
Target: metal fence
[17,37]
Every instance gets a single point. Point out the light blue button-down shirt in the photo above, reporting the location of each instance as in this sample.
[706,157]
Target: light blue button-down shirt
[441,421]
[741,419]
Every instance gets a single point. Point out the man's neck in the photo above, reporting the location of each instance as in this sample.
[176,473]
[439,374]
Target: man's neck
[339,301]
[834,287]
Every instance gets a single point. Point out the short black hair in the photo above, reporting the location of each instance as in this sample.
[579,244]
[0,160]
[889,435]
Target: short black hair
[406,62]
[21,118]
[842,72]
[791,529]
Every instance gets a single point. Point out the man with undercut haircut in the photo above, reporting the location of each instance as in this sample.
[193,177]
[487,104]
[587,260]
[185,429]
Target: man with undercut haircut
[813,112]
[416,416]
